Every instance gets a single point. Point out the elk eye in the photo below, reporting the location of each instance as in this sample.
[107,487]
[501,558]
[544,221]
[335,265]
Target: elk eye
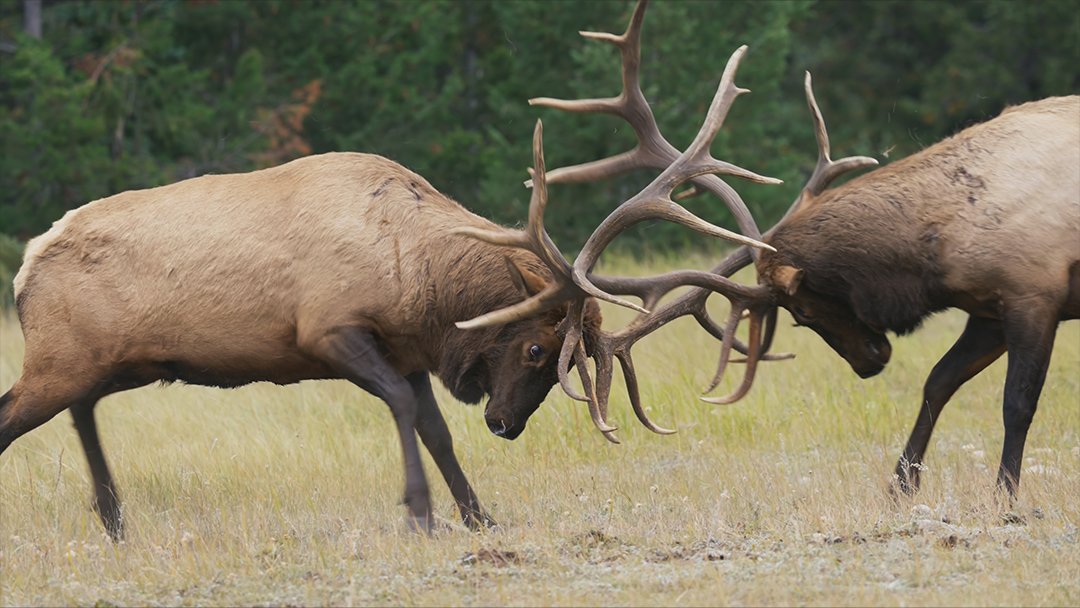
[535,352]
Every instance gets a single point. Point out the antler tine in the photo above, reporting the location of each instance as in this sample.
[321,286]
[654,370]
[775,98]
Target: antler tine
[725,348]
[630,377]
[701,315]
[603,389]
[608,347]
[597,411]
[752,358]
[630,105]
[533,238]
[573,349]
[571,327]
[613,165]
[827,169]
[617,345]
[770,329]
[721,105]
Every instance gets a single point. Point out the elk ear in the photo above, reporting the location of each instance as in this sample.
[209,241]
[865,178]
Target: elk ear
[788,278]
[527,281]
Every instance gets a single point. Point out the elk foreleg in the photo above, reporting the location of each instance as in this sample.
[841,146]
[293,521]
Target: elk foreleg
[1029,336]
[353,353]
[106,498]
[433,431]
[981,343]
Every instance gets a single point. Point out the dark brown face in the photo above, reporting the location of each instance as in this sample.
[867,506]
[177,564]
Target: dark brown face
[866,349]
[524,370]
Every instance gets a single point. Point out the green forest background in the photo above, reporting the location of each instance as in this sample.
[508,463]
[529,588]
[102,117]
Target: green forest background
[97,97]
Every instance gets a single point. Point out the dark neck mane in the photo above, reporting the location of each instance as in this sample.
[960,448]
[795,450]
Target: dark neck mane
[473,282]
[868,249]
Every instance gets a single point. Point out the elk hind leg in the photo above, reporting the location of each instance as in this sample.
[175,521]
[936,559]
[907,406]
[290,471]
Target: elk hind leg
[37,398]
[106,498]
[431,426]
[980,344]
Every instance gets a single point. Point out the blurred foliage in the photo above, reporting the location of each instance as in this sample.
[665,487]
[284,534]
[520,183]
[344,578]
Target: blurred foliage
[132,94]
[11,250]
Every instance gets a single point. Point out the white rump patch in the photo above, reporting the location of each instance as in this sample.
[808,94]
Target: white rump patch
[40,244]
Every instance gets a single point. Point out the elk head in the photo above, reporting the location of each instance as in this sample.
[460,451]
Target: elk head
[524,369]
[816,302]
[865,348]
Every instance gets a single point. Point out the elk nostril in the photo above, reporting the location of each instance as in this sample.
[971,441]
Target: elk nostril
[498,427]
[873,347]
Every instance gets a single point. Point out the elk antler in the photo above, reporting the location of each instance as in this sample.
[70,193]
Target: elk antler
[574,283]
[827,169]
[534,238]
[652,150]
[655,201]
[825,172]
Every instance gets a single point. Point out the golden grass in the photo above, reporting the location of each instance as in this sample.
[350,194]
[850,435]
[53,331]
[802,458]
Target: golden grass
[272,495]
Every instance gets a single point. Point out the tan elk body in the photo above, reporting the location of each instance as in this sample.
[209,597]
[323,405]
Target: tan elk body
[1007,199]
[253,265]
[339,265]
[347,266]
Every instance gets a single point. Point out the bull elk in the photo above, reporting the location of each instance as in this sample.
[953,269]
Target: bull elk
[337,265]
[987,221]
[347,266]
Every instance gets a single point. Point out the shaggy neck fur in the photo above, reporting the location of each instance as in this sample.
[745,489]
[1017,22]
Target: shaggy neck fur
[474,281]
[866,244]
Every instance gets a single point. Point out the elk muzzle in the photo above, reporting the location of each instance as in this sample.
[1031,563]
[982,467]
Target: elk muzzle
[507,429]
[873,356]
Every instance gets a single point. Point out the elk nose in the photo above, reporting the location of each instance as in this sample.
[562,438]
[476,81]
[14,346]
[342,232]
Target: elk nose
[497,426]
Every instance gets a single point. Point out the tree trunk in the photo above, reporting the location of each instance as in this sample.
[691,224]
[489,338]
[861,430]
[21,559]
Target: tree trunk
[32,18]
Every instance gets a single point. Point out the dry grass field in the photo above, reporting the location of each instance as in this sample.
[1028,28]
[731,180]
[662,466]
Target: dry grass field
[272,495]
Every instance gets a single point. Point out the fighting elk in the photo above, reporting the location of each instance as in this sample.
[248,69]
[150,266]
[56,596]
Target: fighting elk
[987,221]
[338,265]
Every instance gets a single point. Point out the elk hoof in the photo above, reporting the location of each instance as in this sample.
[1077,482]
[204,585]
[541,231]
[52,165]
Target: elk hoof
[477,521]
[111,518]
[902,488]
